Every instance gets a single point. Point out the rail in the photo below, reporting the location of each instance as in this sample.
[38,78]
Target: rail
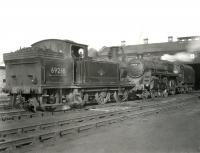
[27,136]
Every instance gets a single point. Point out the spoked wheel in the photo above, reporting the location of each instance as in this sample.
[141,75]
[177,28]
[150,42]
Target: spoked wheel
[165,93]
[102,97]
[20,102]
[122,97]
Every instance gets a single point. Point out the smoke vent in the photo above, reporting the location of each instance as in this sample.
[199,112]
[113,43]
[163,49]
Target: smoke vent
[146,41]
[170,39]
[123,43]
[190,38]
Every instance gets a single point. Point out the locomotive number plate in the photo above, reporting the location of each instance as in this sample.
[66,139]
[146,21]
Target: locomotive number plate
[57,71]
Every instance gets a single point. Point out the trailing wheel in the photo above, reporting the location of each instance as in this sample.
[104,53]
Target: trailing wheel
[102,97]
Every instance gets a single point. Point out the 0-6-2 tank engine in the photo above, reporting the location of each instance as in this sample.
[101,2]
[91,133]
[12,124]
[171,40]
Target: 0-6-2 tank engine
[56,72]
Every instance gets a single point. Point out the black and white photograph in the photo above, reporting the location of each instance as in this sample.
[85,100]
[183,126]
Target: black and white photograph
[99,76]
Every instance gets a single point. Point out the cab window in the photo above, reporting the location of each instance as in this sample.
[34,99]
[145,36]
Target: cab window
[77,52]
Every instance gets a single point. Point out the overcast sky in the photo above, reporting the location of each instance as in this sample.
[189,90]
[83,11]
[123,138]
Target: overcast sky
[96,23]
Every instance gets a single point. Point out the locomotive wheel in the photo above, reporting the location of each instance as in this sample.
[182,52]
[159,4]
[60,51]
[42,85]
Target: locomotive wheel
[122,97]
[102,98]
[165,93]
[20,102]
[99,98]
[108,97]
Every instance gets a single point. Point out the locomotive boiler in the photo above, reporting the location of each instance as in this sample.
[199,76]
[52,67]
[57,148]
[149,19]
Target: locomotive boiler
[53,72]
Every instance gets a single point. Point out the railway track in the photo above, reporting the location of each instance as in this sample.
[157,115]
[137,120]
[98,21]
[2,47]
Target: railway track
[14,114]
[4,104]
[28,135]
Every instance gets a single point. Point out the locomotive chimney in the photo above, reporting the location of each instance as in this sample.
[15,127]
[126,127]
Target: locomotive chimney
[170,39]
[146,41]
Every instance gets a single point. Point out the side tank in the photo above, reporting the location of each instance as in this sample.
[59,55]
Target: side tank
[93,72]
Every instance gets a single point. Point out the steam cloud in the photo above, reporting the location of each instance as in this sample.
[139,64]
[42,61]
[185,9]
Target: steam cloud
[179,57]
[189,56]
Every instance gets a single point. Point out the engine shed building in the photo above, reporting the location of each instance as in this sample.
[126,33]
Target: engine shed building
[189,44]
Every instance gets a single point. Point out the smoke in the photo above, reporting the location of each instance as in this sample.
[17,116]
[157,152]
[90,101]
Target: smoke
[179,57]
[192,48]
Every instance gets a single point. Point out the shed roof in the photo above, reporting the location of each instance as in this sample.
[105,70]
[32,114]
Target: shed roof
[154,47]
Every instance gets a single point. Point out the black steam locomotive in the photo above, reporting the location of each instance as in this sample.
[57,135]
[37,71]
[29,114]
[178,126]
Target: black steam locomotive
[159,78]
[60,71]
[56,72]
[151,76]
